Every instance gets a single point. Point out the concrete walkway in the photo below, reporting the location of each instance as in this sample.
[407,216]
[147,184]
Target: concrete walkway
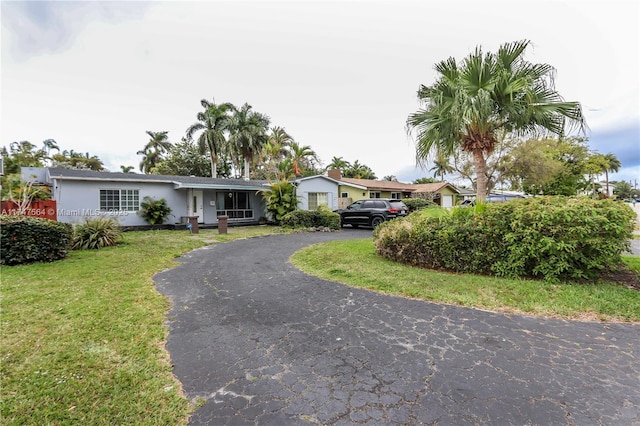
[260,343]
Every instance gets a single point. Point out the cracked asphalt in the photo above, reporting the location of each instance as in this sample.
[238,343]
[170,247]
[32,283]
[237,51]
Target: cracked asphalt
[257,342]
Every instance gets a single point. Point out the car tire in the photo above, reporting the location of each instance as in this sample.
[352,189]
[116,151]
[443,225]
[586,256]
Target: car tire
[376,221]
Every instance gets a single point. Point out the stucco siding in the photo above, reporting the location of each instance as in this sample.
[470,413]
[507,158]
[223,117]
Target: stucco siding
[317,185]
[78,200]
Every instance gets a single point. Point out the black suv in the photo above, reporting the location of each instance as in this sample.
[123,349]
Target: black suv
[372,212]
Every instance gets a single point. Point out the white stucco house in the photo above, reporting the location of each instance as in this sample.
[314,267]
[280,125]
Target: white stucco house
[84,193]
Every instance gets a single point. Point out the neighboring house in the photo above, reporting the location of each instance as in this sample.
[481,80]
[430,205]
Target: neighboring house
[441,193]
[338,192]
[85,193]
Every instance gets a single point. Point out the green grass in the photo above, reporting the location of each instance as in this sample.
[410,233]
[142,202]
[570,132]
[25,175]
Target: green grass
[355,263]
[83,338]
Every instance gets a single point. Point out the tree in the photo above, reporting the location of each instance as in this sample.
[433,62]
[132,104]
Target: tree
[185,159]
[472,102]
[302,158]
[441,166]
[77,160]
[390,178]
[338,163]
[612,165]
[623,190]
[424,180]
[22,154]
[248,134]
[212,124]
[359,171]
[126,169]
[153,150]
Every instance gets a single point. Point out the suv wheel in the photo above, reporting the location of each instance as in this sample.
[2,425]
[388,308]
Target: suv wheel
[376,221]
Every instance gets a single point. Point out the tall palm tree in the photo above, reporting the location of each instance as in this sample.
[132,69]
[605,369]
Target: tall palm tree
[485,94]
[152,152]
[212,124]
[248,134]
[613,165]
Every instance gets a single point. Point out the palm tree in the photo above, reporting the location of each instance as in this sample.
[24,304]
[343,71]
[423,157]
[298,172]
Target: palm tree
[613,165]
[338,163]
[441,167]
[126,169]
[485,94]
[301,157]
[152,152]
[248,134]
[213,122]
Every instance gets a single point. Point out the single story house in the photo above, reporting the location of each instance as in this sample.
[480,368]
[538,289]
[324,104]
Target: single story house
[338,192]
[85,193]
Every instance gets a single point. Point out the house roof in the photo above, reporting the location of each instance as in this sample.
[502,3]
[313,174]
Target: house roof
[178,181]
[433,187]
[383,185]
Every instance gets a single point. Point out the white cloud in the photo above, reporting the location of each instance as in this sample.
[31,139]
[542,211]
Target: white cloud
[340,76]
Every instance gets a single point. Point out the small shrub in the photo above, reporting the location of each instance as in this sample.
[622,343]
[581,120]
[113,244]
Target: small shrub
[280,199]
[96,233]
[320,218]
[154,211]
[29,239]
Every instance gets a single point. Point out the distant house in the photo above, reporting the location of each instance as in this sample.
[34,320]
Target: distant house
[338,192]
[85,193]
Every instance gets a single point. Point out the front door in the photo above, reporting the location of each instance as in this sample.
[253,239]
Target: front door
[197,205]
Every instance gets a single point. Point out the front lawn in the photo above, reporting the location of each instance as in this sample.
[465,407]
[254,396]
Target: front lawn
[83,338]
[355,263]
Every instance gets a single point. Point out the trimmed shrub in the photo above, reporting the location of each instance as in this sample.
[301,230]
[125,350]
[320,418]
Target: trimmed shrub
[154,211]
[28,239]
[415,204]
[320,218]
[96,233]
[554,238]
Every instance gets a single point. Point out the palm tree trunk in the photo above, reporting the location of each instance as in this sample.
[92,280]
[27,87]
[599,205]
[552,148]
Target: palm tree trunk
[246,168]
[480,165]
[606,177]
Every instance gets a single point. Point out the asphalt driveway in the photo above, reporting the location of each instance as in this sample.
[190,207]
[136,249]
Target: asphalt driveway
[258,342]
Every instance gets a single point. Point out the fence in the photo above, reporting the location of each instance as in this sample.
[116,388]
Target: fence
[42,209]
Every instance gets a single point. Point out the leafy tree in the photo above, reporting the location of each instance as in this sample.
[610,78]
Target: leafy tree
[390,178]
[273,154]
[624,190]
[486,94]
[153,150]
[185,159]
[248,134]
[22,154]
[547,166]
[126,169]
[70,159]
[213,124]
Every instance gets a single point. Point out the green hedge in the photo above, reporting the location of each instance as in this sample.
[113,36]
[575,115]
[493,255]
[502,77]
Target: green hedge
[323,218]
[555,238]
[415,204]
[29,239]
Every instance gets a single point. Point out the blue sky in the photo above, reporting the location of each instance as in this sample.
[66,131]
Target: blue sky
[339,76]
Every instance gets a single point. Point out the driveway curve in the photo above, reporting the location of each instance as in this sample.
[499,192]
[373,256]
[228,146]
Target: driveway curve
[257,342]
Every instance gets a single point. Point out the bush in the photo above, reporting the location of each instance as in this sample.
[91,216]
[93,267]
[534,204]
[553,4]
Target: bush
[554,238]
[320,218]
[280,199]
[415,204]
[96,233]
[28,239]
[154,211]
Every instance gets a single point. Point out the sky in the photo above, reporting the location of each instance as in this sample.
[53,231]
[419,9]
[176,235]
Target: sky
[339,76]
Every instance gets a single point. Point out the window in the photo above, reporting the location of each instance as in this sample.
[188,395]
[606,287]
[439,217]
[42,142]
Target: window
[375,194]
[120,199]
[344,195]
[396,195]
[235,205]
[317,199]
